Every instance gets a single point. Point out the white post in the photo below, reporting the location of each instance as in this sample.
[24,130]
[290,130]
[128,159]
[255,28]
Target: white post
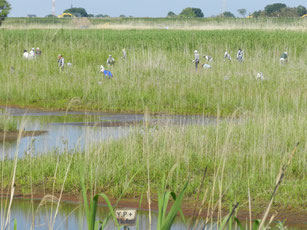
[53,7]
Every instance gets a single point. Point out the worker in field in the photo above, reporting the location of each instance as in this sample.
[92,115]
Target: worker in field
[124,53]
[240,55]
[61,62]
[25,54]
[110,60]
[208,58]
[38,52]
[105,72]
[32,54]
[227,56]
[196,59]
[283,58]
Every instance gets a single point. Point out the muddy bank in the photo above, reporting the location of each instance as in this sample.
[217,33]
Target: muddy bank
[13,135]
[291,217]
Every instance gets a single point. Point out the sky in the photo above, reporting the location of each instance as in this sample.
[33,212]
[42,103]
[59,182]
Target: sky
[141,8]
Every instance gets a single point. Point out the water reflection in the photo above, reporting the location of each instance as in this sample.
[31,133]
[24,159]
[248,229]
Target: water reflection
[75,131]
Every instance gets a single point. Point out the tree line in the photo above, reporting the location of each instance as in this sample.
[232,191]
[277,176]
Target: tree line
[273,10]
[281,10]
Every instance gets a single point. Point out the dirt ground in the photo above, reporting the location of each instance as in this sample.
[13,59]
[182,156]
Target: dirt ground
[13,135]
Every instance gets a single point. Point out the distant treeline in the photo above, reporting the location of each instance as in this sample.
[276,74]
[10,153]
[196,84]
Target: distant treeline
[273,10]
[280,10]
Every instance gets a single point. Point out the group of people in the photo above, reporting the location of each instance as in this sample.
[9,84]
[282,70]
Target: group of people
[32,54]
[111,61]
[227,57]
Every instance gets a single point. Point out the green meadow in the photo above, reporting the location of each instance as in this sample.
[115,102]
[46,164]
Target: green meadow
[158,75]
[259,121]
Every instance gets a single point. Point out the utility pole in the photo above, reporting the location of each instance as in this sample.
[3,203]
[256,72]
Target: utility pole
[224,5]
[53,7]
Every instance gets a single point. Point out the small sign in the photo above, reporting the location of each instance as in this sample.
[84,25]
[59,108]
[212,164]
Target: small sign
[125,216]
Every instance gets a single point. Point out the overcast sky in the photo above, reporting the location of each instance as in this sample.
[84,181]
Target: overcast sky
[141,8]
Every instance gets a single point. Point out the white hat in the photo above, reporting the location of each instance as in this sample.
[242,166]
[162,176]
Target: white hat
[286,52]
[195,51]
[37,48]
[33,49]
[110,55]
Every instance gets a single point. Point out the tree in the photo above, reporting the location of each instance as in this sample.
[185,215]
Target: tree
[301,10]
[122,16]
[256,14]
[198,12]
[242,12]
[102,16]
[228,14]
[171,14]
[5,8]
[274,8]
[90,15]
[78,12]
[187,12]
[191,13]
[50,16]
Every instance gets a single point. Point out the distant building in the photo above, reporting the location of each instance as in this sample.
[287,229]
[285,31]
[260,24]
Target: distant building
[31,15]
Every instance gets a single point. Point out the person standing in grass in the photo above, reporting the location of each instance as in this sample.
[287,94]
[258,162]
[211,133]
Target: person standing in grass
[32,54]
[110,60]
[240,55]
[227,56]
[196,59]
[38,52]
[283,58]
[25,54]
[124,53]
[61,61]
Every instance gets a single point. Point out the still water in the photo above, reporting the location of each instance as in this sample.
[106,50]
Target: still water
[74,131]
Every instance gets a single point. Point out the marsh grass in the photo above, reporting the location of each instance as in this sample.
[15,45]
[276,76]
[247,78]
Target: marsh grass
[242,153]
[8,124]
[235,153]
[158,73]
[158,23]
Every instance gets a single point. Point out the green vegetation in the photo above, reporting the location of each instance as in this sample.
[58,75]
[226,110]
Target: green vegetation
[7,124]
[180,23]
[191,13]
[245,152]
[158,75]
[5,8]
[281,10]
[227,14]
[78,12]
[242,12]
[239,155]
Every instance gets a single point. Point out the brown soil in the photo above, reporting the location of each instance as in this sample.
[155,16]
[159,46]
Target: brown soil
[291,217]
[13,135]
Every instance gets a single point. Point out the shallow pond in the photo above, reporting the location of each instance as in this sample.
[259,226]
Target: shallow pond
[70,216]
[74,131]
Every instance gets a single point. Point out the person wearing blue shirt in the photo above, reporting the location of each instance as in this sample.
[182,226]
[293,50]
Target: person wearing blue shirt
[105,72]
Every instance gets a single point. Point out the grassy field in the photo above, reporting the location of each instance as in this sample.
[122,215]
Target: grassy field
[159,77]
[159,23]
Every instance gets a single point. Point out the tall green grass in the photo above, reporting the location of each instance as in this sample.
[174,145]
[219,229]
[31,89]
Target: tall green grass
[158,75]
[242,155]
